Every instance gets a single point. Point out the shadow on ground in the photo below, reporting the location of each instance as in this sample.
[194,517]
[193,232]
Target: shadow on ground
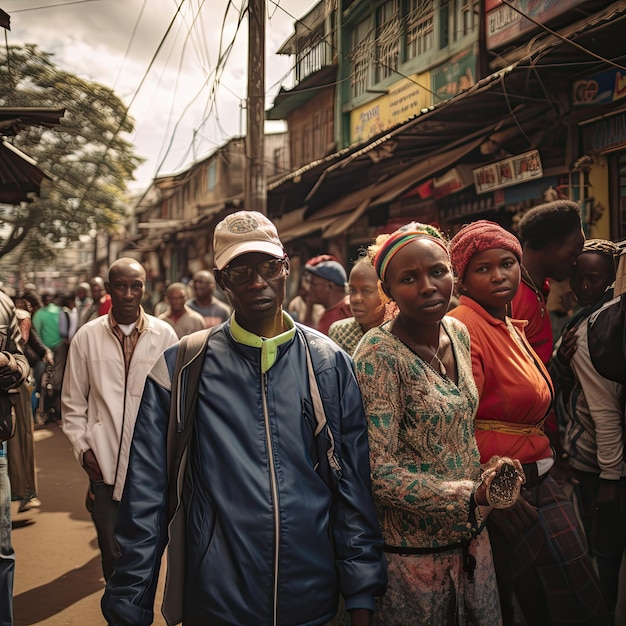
[60,593]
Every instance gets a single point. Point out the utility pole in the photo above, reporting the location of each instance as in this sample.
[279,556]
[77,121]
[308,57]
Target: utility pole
[255,189]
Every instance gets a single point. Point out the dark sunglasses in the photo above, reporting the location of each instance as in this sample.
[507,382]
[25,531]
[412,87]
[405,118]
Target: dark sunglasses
[242,274]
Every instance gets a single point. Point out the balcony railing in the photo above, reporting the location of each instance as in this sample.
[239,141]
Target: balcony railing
[312,59]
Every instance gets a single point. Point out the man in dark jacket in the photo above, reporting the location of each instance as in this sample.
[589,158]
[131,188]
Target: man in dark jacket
[14,368]
[278,523]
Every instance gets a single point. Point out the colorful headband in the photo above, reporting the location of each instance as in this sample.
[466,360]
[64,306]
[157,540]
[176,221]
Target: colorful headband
[396,242]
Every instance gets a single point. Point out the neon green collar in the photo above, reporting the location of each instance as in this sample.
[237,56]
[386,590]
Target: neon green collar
[268,345]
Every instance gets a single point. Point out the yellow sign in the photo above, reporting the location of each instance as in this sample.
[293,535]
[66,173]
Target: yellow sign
[404,99]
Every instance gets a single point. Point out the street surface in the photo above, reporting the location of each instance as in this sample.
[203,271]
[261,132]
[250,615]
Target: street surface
[58,577]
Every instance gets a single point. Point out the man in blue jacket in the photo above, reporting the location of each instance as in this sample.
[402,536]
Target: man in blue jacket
[275,529]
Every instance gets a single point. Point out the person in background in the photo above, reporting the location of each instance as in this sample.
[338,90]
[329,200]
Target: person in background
[179,316]
[428,486]
[327,284]
[204,302]
[101,301]
[366,305]
[68,318]
[46,322]
[35,353]
[538,547]
[82,299]
[21,449]
[14,368]
[590,416]
[301,307]
[291,523]
[552,238]
[108,361]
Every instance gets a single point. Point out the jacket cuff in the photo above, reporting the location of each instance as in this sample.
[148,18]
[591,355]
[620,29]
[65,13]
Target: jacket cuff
[360,601]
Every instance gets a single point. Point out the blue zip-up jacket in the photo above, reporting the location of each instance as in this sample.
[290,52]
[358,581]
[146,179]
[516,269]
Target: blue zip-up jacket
[268,541]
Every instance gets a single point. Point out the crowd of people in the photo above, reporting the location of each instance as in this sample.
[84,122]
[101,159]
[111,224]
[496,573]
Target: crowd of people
[407,441]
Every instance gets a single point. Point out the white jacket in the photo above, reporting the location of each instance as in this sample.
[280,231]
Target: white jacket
[98,403]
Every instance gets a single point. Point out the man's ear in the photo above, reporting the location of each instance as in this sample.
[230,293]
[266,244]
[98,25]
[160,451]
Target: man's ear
[287,266]
[106,287]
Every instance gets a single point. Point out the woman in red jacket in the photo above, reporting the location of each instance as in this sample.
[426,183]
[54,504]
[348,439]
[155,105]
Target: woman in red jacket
[539,551]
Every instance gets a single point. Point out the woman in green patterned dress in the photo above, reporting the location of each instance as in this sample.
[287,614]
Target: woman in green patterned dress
[418,390]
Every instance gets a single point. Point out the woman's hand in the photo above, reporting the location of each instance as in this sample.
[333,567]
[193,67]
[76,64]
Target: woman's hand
[500,484]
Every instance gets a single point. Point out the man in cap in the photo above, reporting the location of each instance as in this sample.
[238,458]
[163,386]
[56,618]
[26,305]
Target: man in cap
[327,284]
[279,517]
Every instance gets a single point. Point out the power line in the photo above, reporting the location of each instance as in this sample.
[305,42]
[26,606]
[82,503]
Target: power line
[563,38]
[52,6]
[125,116]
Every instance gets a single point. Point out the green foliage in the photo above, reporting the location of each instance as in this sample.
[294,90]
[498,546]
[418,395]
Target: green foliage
[90,160]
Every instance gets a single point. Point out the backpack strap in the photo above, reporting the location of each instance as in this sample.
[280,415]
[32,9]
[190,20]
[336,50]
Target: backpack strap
[324,438]
[191,349]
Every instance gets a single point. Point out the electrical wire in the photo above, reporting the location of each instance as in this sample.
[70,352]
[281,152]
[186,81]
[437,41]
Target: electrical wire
[126,111]
[175,89]
[562,38]
[217,72]
[130,43]
[53,6]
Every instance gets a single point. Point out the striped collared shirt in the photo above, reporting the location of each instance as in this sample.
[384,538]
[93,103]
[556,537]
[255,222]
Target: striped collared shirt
[128,342]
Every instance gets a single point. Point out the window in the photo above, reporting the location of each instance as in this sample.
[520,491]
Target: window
[467,16]
[444,29]
[387,39]
[361,58]
[420,31]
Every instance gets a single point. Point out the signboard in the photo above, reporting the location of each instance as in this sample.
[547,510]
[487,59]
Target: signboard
[511,171]
[605,135]
[504,24]
[455,75]
[600,88]
[404,99]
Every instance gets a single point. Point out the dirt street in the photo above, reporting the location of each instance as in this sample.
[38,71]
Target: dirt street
[58,578]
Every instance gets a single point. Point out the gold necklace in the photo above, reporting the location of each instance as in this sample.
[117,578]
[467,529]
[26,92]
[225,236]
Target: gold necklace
[442,367]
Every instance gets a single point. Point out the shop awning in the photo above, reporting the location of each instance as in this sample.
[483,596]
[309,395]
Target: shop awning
[20,178]
[514,109]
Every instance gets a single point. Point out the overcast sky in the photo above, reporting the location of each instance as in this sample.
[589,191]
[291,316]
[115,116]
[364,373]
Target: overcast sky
[94,39]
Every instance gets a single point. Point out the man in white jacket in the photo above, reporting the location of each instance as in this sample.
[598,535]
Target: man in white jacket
[109,359]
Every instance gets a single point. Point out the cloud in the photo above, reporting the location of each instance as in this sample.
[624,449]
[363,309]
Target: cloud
[95,40]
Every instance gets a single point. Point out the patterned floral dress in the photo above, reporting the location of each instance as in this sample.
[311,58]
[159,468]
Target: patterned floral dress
[425,468]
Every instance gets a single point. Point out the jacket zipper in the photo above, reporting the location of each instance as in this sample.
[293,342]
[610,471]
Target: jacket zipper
[272,470]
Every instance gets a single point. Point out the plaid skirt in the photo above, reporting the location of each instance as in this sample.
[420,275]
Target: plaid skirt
[546,537]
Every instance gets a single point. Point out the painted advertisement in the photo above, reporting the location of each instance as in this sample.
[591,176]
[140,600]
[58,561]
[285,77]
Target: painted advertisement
[511,171]
[404,99]
[601,88]
[505,23]
[455,75]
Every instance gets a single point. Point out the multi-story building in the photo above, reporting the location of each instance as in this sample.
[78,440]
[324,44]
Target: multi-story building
[451,110]
[176,214]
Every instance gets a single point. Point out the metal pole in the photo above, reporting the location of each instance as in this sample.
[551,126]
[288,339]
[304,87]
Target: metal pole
[255,189]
